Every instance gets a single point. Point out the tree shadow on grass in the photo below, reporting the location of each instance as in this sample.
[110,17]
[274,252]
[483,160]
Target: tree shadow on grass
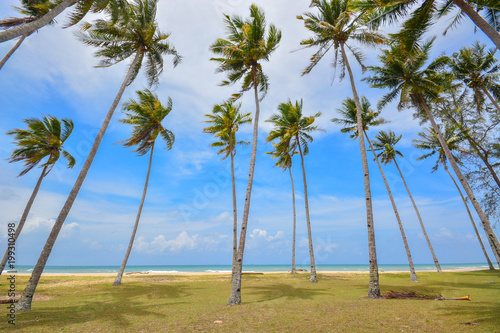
[106,307]
[276,291]
[484,315]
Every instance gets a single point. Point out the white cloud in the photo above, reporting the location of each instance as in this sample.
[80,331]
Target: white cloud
[182,242]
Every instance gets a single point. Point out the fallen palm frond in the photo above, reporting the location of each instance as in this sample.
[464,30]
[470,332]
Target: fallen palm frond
[412,294]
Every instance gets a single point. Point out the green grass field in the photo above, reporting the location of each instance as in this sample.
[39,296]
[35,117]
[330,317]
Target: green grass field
[271,303]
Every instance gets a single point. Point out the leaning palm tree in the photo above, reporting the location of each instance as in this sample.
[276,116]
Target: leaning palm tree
[146,115]
[293,130]
[240,56]
[33,10]
[82,7]
[225,121]
[403,72]
[478,70]
[43,138]
[336,25]
[429,141]
[385,143]
[370,118]
[135,35]
[284,161]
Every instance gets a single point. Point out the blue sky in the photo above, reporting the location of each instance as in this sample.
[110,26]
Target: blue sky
[187,217]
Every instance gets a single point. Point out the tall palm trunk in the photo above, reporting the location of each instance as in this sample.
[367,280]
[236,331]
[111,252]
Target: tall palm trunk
[27,296]
[28,28]
[118,279]
[294,270]
[471,219]
[479,21]
[492,238]
[436,262]
[235,297]
[235,213]
[11,51]
[374,287]
[491,98]
[308,220]
[413,275]
[24,216]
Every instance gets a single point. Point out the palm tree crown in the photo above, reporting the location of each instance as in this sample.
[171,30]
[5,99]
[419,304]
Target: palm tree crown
[385,142]
[225,121]
[43,138]
[430,142]
[403,72]
[334,26]
[146,115]
[32,9]
[478,69]
[246,45]
[136,33]
[292,128]
[348,116]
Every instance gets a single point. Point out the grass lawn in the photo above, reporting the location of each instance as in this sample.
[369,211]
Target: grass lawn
[271,303]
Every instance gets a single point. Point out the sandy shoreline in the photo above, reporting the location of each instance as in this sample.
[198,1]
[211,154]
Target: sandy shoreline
[228,273]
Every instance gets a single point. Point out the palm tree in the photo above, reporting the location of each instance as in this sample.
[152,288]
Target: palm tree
[146,116]
[43,138]
[240,56]
[293,130]
[349,122]
[116,7]
[226,120]
[336,25]
[137,35]
[423,13]
[429,141]
[284,161]
[403,72]
[478,70]
[33,9]
[385,142]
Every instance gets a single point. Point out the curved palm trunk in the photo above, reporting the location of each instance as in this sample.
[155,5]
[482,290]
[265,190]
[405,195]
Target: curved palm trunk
[24,217]
[294,270]
[11,51]
[471,219]
[118,279]
[491,98]
[436,262]
[479,21]
[28,28]
[235,213]
[374,287]
[492,238]
[27,297]
[235,297]
[413,275]
[309,233]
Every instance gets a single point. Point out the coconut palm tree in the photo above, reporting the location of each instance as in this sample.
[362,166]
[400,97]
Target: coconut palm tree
[146,115]
[478,70]
[26,28]
[370,118]
[43,138]
[240,56]
[225,121]
[33,10]
[293,131]
[403,71]
[385,143]
[422,15]
[284,161]
[336,25]
[429,141]
[136,35]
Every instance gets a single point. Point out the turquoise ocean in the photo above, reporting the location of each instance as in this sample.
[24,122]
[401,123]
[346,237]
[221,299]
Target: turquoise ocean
[246,268]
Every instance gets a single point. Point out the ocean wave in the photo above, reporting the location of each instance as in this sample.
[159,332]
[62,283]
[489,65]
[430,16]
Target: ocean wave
[214,271]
